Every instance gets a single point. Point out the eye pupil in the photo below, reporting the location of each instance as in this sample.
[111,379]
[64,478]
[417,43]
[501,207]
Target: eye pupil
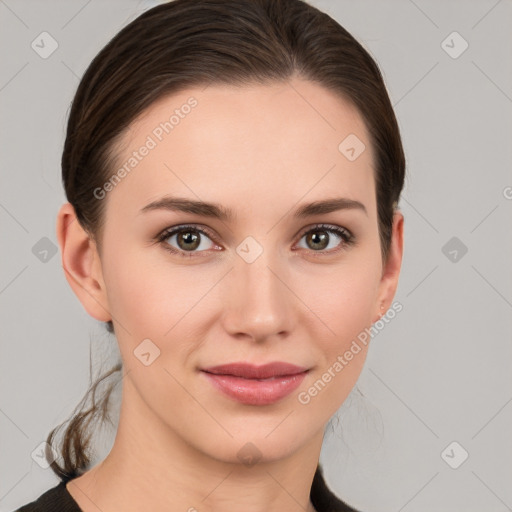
[319,241]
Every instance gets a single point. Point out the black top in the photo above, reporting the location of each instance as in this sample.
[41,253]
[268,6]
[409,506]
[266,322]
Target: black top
[58,499]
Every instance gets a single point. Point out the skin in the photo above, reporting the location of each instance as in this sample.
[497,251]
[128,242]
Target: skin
[261,151]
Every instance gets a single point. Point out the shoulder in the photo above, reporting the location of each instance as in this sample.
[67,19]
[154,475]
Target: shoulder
[323,499]
[55,499]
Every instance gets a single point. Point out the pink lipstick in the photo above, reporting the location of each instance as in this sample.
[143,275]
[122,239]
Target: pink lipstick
[256,385]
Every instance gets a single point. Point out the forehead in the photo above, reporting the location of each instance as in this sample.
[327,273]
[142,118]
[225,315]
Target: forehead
[252,146]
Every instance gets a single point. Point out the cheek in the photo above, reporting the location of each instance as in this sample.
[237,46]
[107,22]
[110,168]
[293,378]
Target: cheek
[342,300]
[173,306]
[152,303]
[343,305]
[149,299]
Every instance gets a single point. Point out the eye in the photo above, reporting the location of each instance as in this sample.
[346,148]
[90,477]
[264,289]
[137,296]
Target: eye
[319,238]
[189,239]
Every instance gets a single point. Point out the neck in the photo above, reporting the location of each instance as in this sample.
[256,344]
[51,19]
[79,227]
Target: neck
[151,467]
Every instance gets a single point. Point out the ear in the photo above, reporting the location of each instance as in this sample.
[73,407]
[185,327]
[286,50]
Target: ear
[82,264]
[391,270]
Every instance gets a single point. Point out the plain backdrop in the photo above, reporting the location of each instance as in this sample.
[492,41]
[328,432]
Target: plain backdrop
[428,426]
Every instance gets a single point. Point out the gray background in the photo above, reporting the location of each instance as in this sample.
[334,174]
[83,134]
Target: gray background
[438,373]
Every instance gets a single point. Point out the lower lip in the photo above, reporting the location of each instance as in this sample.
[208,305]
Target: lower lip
[256,392]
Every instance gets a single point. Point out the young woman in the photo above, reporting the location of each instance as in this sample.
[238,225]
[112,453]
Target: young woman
[233,169]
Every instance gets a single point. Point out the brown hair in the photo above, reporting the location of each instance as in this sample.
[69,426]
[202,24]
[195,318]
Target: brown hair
[186,43]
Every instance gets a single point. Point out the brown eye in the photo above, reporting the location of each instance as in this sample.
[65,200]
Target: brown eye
[185,239]
[317,240]
[188,240]
[327,239]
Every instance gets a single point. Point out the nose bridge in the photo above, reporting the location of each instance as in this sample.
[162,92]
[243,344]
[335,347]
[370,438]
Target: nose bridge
[259,278]
[259,302]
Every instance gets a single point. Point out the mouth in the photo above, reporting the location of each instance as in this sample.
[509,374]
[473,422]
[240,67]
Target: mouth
[250,371]
[256,385]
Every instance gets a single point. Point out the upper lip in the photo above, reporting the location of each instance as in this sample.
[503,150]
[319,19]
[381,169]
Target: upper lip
[250,371]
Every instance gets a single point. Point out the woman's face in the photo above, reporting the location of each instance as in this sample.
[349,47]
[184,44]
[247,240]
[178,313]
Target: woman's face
[251,287]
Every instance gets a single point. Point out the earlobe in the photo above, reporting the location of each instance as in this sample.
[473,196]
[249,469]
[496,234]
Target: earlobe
[81,264]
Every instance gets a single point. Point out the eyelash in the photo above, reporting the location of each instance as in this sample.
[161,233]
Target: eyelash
[347,237]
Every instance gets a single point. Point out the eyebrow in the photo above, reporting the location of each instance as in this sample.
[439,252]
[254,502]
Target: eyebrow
[220,212]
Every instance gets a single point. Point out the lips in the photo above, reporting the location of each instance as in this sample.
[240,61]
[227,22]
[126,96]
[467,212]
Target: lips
[250,371]
[256,385]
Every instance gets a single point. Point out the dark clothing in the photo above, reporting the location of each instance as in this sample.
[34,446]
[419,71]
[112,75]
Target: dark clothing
[58,499]
[323,499]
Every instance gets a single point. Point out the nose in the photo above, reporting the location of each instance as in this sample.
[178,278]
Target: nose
[259,304]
